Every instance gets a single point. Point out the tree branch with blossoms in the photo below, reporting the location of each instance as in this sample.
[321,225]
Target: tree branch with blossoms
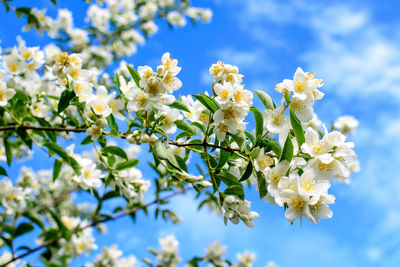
[48,96]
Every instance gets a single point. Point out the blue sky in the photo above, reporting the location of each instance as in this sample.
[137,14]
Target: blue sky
[355,47]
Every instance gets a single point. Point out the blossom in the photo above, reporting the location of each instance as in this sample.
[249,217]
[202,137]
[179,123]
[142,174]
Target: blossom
[170,116]
[302,108]
[90,177]
[346,124]
[224,92]
[5,94]
[277,122]
[301,86]
[263,161]
[94,131]
[273,178]
[236,209]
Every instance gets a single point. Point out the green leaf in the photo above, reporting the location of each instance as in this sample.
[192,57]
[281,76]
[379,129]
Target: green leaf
[66,233]
[3,171]
[179,105]
[258,117]
[56,169]
[113,125]
[54,2]
[235,190]
[287,151]
[208,102]
[199,125]
[228,178]
[87,140]
[262,186]
[34,217]
[181,163]
[109,195]
[240,139]
[159,150]
[248,172]
[65,99]
[185,126]
[135,76]
[23,228]
[127,164]
[8,151]
[297,128]
[56,149]
[115,151]
[265,99]
[223,158]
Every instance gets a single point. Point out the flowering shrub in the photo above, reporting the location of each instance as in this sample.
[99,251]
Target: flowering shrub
[63,92]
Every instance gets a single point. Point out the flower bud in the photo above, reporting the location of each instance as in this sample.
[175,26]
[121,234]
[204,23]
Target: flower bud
[145,138]
[229,200]
[193,179]
[131,138]
[101,122]
[205,184]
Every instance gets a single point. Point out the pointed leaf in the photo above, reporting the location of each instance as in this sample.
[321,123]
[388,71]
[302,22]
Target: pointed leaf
[265,99]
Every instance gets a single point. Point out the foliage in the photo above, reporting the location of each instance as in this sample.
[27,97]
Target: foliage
[63,92]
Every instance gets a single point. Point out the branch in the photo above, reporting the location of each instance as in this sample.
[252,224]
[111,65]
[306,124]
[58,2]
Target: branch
[94,223]
[41,128]
[204,144]
[81,130]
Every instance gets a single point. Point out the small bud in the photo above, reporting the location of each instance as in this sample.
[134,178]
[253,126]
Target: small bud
[153,138]
[101,122]
[229,200]
[131,139]
[205,184]
[193,179]
[145,138]
[135,132]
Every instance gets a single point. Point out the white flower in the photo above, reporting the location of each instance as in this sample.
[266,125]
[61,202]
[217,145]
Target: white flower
[78,244]
[263,161]
[346,124]
[314,123]
[99,17]
[301,86]
[176,18]
[5,94]
[90,177]
[235,208]
[139,101]
[276,121]
[302,108]
[170,116]
[317,148]
[149,27]
[41,110]
[242,98]
[273,177]
[224,92]
[246,259]
[13,64]
[94,131]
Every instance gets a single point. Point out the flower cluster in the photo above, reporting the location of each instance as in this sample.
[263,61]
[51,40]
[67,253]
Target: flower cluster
[168,255]
[235,101]
[236,209]
[111,256]
[12,198]
[115,27]
[302,184]
[155,88]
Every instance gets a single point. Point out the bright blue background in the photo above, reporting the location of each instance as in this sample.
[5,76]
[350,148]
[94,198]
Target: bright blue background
[355,47]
